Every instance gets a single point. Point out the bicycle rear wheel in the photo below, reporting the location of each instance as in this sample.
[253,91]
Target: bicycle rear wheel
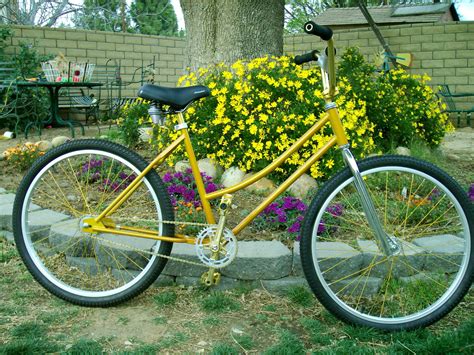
[75,181]
[426,213]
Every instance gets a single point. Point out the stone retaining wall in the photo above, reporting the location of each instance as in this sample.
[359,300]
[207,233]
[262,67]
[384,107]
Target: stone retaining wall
[268,264]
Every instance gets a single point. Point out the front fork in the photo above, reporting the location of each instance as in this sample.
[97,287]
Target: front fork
[387,243]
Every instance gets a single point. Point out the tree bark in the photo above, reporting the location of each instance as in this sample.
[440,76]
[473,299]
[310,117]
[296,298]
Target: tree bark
[228,30]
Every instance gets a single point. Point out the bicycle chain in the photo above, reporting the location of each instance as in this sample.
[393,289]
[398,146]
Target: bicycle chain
[158,254]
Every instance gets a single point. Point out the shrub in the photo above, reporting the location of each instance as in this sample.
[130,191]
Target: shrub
[131,118]
[22,157]
[402,106]
[257,109]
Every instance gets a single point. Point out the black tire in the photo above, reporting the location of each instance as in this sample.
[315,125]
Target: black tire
[78,180]
[432,221]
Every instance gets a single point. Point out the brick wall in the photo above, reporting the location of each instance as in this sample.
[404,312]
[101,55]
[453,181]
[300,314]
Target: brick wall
[443,51]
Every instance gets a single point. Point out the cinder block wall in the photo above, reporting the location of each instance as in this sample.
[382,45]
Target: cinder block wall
[443,51]
[132,51]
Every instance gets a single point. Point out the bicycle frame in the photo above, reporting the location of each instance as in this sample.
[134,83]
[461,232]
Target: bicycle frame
[102,224]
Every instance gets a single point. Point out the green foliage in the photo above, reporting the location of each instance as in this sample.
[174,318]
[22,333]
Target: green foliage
[402,106]
[27,63]
[289,344]
[219,302]
[102,15]
[258,109]
[154,17]
[85,346]
[316,331]
[130,119]
[301,296]
[28,60]
[22,157]
[224,349]
[166,298]
[5,33]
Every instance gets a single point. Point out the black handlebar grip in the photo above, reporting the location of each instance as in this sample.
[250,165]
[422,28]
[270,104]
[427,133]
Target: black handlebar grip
[307,57]
[322,31]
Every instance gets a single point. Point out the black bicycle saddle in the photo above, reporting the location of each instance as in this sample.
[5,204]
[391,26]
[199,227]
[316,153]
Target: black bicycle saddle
[176,98]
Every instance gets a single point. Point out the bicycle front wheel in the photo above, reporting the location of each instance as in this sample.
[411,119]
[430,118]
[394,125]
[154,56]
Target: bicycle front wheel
[76,181]
[426,214]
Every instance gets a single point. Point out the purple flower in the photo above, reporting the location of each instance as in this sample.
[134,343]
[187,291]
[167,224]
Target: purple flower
[211,187]
[335,210]
[167,178]
[471,192]
[321,227]
[294,228]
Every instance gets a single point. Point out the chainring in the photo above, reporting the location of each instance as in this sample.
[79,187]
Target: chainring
[228,248]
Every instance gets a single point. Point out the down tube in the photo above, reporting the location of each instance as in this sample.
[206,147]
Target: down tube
[272,197]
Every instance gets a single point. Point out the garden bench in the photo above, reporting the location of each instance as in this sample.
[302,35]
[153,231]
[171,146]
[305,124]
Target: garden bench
[78,101]
[453,105]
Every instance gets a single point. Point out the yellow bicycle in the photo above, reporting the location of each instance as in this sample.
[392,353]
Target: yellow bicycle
[386,242]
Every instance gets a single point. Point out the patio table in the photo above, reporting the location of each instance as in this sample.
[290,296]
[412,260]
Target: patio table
[54,88]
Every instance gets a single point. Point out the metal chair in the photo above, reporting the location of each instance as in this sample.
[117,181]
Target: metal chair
[453,105]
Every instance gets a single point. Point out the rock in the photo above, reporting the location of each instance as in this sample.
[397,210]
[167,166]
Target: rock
[3,156]
[282,286]
[337,260]
[403,151]
[454,157]
[358,286]
[117,250]
[2,190]
[410,260]
[44,145]
[8,236]
[41,222]
[56,141]
[263,186]
[177,268]
[209,167]
[181,166]
[260,260]
[7,199]
[303,186]
[232,176]
[6,211]
[445,252]
[68,238]
[297,267]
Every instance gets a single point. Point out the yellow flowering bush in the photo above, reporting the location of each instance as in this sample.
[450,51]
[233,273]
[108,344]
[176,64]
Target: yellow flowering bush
[402,106]
[259,108]
[22,156]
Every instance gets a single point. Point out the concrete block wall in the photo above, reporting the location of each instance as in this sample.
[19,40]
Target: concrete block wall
[443,51]
[132,51]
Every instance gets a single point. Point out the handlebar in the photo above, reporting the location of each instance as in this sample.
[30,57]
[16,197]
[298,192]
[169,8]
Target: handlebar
[307,57]
[325,60]
[314,29]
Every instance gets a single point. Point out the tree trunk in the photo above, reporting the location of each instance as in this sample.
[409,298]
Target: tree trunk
[228,30]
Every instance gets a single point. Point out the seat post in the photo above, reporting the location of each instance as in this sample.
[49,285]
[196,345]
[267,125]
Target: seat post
[206,206]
